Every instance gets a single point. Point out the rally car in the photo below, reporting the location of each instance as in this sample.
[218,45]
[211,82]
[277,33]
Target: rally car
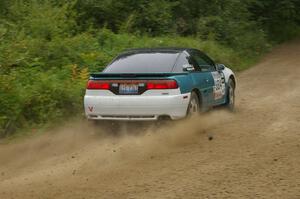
[150,84]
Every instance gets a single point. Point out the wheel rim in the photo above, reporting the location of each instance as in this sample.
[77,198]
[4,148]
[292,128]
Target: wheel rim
[193,108]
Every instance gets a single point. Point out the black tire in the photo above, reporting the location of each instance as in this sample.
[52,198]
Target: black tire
[193,109]
[230,104]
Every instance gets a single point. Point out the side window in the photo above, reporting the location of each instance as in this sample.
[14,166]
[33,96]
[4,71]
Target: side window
[204,62]
[183,60]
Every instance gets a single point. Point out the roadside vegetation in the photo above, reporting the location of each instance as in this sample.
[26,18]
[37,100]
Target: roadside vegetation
[49,47]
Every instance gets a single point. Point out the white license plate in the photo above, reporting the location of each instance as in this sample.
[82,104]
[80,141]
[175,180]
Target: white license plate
[128,88]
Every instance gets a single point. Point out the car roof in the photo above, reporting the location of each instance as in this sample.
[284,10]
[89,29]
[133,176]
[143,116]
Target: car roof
[166,49]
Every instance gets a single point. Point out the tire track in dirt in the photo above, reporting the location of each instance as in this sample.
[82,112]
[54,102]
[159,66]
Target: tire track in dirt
[254,152]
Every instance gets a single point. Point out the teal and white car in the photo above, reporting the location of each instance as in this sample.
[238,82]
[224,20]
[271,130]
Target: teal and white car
[149,84]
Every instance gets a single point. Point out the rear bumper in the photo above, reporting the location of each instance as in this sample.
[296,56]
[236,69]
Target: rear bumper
[135,108]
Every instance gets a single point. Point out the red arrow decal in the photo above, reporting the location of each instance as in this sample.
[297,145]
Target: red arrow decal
[91,108]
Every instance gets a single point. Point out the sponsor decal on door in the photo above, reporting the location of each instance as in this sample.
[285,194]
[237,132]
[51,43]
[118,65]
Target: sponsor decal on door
[219,88]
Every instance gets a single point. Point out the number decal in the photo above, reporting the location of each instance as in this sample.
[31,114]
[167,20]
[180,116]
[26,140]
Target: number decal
[219,86]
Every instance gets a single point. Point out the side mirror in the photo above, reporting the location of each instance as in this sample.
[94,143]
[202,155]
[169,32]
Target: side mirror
[220,67]
[188,67]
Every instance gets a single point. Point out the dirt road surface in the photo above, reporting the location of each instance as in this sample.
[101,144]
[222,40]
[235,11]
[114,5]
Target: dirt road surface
[253,153]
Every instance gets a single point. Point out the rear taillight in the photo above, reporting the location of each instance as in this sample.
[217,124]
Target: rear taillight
[98,85]
[113,85]
[161,84]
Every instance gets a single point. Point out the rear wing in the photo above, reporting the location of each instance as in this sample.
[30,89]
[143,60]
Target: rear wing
[133,75]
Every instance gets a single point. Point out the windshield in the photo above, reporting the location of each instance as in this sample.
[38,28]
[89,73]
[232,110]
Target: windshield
[145,62]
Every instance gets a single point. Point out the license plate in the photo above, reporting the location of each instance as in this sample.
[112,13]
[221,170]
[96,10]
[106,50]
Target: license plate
[128,88]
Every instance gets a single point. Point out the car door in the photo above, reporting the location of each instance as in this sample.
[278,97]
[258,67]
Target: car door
[219,87]
[202,80]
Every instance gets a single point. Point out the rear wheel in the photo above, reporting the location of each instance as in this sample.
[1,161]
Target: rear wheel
[231,95]
[194,106]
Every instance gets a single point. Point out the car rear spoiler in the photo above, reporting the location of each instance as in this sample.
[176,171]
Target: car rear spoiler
[133,75]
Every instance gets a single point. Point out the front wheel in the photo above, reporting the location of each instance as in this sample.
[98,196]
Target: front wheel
[231,95]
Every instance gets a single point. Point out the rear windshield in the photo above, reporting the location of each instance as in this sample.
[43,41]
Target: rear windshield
[145,62]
